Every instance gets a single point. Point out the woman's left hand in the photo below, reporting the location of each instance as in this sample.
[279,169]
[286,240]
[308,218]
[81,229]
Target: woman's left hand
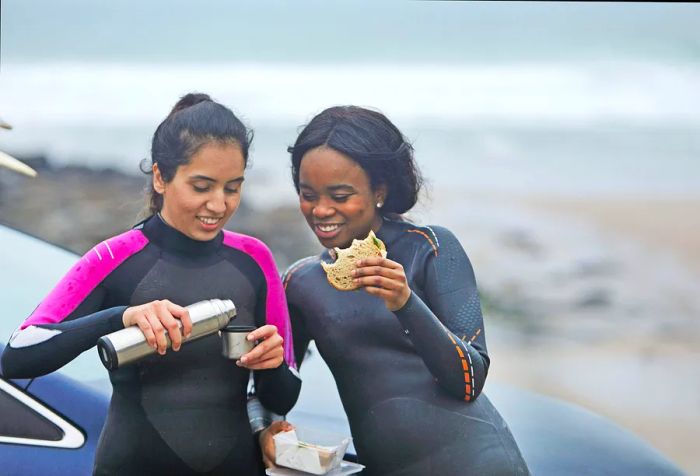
[384,278]
[267,444]
[268,354]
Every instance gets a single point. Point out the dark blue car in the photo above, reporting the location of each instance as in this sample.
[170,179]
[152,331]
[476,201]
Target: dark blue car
[50,425]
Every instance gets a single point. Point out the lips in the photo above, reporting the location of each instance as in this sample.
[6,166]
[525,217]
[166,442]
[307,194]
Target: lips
[209,223]
[327,230]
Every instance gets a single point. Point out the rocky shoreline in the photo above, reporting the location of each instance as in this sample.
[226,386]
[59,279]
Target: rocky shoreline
[76,207]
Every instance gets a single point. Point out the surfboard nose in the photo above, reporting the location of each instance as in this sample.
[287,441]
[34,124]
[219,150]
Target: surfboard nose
[7,161]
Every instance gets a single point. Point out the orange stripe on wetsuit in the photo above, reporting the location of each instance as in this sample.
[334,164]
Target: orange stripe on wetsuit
[467,369]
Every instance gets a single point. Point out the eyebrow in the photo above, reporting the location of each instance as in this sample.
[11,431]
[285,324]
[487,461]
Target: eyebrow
[332,188]
[209,179]
[341,186]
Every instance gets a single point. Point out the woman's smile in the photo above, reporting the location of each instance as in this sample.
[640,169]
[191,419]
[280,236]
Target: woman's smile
[327,230]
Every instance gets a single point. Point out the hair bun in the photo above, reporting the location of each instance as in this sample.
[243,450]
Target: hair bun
[189,100]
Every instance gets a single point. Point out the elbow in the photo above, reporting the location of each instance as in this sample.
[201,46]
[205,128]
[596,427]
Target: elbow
[464,390]
[281,402]
[478,378]
[478,386]
[11,367]
[280,406]
[15,365]
[480,371]
[280,393]
[466,381]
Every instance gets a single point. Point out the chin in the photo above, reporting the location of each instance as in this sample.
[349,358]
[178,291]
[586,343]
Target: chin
[200,235]
[338,242]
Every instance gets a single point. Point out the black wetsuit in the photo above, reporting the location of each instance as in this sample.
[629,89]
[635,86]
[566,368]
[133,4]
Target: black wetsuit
[185,412]
[409,380]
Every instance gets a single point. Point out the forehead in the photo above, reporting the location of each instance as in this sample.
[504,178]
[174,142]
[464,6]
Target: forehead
[323,166]
[215,160]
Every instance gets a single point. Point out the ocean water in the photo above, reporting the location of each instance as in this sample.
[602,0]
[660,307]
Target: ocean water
[512,98]
[576,129]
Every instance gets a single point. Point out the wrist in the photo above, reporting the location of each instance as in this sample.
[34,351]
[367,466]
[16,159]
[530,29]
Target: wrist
[403,302]
[125,317]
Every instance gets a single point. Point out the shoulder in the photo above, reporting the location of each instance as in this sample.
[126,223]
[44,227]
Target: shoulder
[300,268]
[99,262]
[115,250]
[424,237]
[248,244]
[435,240]
[258,251]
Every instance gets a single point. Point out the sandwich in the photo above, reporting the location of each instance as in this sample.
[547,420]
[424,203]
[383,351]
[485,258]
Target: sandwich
[339,272]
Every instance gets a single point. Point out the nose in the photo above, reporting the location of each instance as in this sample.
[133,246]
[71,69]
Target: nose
[323,210]
[217,203]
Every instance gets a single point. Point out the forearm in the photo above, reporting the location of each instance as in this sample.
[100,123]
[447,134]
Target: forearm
[259,416]
[458,366]
[40,349]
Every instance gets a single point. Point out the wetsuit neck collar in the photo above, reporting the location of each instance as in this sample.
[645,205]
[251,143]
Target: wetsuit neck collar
[389,231]
[170,239]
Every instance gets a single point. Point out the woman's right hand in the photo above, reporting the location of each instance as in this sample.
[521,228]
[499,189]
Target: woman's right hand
[156,317]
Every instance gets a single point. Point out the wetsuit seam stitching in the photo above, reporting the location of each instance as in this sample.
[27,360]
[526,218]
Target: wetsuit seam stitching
[425,235]
[467,366]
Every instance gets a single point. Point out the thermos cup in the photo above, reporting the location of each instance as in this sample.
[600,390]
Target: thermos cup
[234,342]
[128,345]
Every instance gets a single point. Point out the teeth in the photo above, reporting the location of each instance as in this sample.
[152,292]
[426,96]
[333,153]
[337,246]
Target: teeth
[208,221]
[328,228]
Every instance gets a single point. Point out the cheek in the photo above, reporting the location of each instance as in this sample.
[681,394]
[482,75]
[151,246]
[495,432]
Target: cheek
[356,210]
[232,203]
[305,207]
[179,202]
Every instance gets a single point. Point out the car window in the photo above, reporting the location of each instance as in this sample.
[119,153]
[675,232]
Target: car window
[29,269]
[20,421]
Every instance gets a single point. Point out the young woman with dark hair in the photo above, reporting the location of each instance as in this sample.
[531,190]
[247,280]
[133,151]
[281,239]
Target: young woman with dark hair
[407,350]
[183,412]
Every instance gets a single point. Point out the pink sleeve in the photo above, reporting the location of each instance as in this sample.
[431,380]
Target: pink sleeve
[85,276]
[276,304]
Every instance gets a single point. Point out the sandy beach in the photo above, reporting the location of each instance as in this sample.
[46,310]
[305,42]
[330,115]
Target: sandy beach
[665,225]
[600,308]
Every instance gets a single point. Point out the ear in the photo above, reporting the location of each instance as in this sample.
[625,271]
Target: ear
[380,194]
[158,182]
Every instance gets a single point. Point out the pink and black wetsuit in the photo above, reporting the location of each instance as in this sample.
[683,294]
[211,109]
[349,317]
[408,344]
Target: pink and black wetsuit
[185,412]
[410,380]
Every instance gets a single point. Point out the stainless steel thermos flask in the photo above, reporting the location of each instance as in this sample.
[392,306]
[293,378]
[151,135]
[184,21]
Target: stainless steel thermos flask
[129,345]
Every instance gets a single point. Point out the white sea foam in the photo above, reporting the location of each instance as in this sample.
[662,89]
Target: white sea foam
[133,93]
[584,127]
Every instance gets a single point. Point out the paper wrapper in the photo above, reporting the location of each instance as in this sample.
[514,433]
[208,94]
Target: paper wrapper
[309,450]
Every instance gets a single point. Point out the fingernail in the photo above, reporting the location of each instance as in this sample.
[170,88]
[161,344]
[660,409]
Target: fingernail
[250,337]
[353,272]
[238,362]
[356,281]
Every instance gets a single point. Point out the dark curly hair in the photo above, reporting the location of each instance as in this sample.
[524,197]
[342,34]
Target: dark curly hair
[370,139]
[196,120]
